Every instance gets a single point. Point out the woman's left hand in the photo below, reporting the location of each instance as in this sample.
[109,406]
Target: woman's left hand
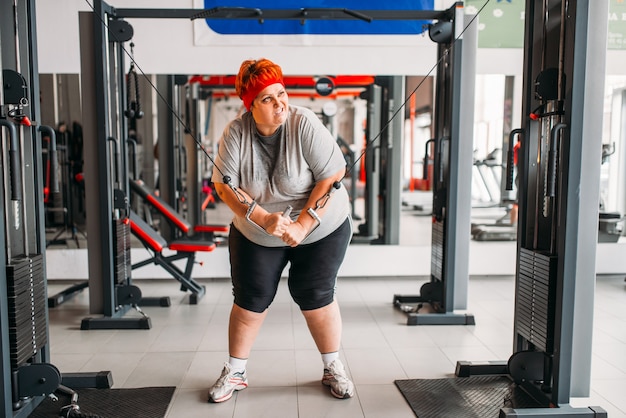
[294,234]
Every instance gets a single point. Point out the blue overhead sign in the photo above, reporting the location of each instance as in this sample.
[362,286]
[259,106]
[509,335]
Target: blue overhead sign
[320,27]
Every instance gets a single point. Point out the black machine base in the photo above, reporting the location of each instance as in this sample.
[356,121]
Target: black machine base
[67,294]
[97,380]
[521,361]
[480,397]
[195,297]
[162,301]
[72,291]
[564,411]
[445,318]
[115,323]
[494,232]
[422,310]
[469,368]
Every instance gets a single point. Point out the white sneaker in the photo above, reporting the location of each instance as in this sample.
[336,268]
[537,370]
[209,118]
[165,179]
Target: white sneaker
[227,384]
[335,376]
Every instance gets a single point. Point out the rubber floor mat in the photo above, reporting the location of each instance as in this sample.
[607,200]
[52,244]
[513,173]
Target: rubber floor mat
[461,397]
[150,402]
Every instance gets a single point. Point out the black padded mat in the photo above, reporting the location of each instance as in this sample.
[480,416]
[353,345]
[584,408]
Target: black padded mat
[461,397]
[150,402]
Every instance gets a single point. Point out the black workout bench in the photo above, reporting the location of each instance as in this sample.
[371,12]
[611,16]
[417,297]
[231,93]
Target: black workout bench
[206,231]
[185,249]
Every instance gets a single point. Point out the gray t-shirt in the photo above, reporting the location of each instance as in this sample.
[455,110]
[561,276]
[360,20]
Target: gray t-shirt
[282,169]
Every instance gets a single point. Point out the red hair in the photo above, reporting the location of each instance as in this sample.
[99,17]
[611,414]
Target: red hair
[254,76]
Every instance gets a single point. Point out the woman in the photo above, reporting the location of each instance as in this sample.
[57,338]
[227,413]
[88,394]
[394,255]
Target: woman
[276,168]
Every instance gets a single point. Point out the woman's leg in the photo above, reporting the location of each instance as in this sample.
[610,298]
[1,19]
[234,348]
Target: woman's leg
[312,281]
[255,274]
[243,329]
[325,326]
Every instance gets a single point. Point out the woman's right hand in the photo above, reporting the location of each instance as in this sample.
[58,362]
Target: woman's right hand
[276,224]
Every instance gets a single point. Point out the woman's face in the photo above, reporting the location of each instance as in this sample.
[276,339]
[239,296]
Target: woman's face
[269,109]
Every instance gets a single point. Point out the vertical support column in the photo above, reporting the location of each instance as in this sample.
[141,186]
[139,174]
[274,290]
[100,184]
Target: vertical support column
[372,162]
[192,184]
[93,45]
[583,189]
[368,230]
[391,161]
[460,167]
[166,151]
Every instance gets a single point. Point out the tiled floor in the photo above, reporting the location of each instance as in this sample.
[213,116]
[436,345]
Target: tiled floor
[187,346]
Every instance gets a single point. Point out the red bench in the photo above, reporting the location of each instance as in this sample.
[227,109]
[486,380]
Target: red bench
[185,249]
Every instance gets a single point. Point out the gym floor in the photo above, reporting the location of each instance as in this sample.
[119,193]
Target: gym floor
[187,346]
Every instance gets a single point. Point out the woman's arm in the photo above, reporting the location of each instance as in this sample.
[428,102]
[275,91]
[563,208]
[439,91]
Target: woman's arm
[273,223]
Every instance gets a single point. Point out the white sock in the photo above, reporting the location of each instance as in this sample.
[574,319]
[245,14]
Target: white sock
[328,358]
[237,364]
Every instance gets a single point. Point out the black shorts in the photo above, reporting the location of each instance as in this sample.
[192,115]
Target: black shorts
[256,270]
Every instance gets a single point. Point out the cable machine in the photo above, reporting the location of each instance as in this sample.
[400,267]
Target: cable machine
[111,291]
[26,376]
[446,292]
[559,177]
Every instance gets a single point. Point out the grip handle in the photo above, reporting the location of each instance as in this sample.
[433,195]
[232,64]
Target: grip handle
[510,158]
[553,159]
[14,161]
[52,155]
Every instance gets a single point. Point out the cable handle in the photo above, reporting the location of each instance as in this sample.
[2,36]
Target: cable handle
[440,157]
[14,161]
[510,157]
[116,153]
[52,157]
[553,158]
[425,162]
[133,147]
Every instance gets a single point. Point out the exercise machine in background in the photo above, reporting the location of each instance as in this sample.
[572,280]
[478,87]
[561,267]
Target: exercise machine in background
[559,177]
[504,227]
[105,38]
[443,297]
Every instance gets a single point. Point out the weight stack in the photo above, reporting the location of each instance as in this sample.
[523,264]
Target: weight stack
[535,308]
[437,251]
[26,291]
[123,266]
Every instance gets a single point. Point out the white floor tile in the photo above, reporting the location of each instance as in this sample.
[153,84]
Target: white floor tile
[267,402]
[372,366]
[383,401]
[315,401]
[160,369]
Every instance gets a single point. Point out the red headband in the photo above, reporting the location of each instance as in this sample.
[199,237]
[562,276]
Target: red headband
[254,90]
